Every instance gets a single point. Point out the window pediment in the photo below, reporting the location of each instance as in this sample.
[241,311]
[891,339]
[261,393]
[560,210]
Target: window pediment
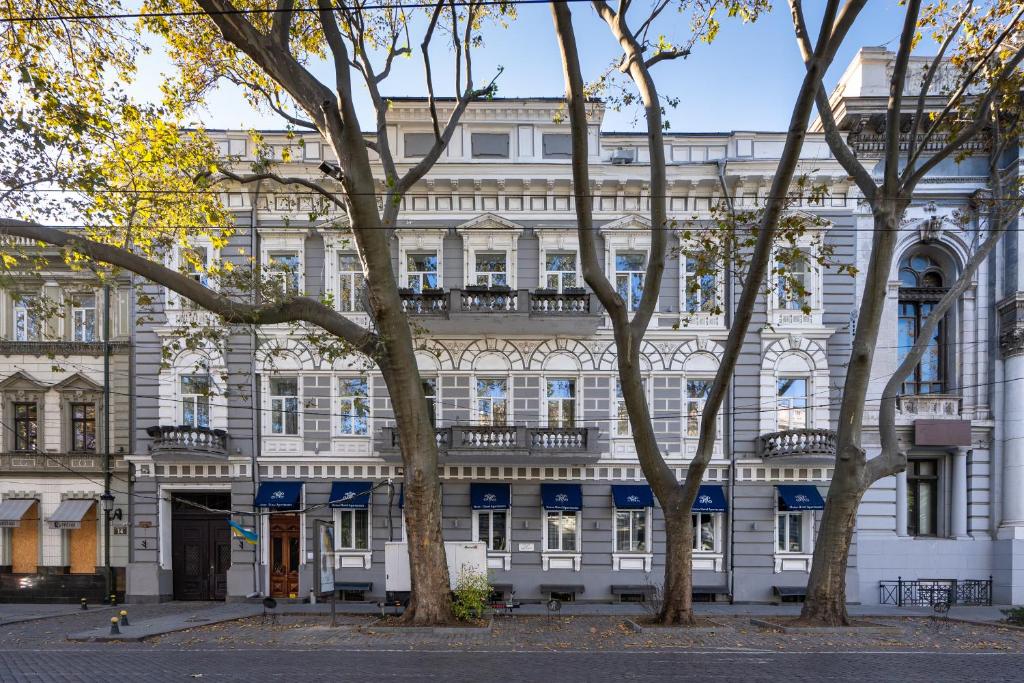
[22,383]
[632,222]
[78,384]
[489,222]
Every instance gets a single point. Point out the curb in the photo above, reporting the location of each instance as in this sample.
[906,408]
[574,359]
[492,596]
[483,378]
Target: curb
[676,630]
[767,625]
[23,620]
[978,622]
[375,627]
[98,635]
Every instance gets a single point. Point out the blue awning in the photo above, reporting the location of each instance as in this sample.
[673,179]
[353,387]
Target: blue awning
[351,495]
[800,497]
[632,496]
[567,497]
[710,498]
[490,496]
[279,494]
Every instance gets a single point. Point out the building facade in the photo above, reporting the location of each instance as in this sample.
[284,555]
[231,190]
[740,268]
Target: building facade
[519,366]
[56,364]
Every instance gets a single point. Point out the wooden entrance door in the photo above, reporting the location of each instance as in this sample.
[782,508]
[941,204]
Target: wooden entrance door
[284,556]
[200,552]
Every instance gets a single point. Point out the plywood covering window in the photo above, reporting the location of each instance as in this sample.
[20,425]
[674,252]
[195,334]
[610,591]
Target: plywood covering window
[25,543]
[82,545]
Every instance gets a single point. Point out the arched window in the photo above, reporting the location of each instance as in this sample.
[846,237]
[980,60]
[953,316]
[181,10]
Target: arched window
[922,284]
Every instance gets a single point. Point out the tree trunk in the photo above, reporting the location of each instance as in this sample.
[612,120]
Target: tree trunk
[430,602]
[677,594]
[826,589]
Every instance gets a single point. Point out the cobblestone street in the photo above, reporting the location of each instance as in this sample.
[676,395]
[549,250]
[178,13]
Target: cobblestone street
[581,648]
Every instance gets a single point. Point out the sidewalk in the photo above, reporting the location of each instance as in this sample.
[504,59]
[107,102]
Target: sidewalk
[17,612]
[158,626]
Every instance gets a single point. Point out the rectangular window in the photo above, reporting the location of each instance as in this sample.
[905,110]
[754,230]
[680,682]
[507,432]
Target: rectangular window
[629,277]
[704,532]
[793,410]
[492,401]
[795,289]
[556,145]
[923,497]
[195,401]
[83,427]
[560,271]
[430,393]
[700,287]
[697,391]
[418,144]
[26,426]
[491,269]
[284,405]
[284,271]
[354,529]
[791,532]
[83,317]
[421,271]
[621,426]
[354,406]
[350,283]
[561,396]
[26,323]
[561,528]
[490,145]
[492,528]
[631,531]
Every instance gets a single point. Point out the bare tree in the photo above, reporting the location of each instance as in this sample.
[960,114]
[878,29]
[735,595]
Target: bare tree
[986,82]
[676,499]
[270,49]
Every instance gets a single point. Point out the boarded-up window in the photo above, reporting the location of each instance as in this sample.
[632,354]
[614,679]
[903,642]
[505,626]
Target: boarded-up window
[557,146]
[418,144]
[490,145]
[82,545]
[25,542]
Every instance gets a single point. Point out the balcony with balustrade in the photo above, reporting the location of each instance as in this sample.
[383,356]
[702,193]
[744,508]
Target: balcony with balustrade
[927,407]
[497,310]
[798,445]
[183,441]
[511,445]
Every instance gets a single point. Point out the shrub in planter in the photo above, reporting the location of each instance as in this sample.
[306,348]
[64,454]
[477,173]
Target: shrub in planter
[545,292]
[471,594]
[574,290]
[1014,615]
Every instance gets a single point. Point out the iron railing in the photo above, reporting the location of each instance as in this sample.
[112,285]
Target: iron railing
[931,592]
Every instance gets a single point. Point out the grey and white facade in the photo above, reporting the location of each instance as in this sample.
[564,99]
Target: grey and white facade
[519,361]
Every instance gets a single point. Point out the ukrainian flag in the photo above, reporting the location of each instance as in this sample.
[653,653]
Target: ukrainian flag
[241,532]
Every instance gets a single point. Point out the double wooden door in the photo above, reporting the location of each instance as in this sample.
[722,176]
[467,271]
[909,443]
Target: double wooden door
[284,555]
[201,552]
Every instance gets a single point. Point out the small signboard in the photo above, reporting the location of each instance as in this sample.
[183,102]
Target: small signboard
[325,555]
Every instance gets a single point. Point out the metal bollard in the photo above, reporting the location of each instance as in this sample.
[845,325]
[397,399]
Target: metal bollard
[85,604]
[113,599]
[114,630]
[124,618]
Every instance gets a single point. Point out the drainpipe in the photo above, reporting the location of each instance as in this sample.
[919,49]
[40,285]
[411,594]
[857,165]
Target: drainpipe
[257,404]
[730,399]
[108,570]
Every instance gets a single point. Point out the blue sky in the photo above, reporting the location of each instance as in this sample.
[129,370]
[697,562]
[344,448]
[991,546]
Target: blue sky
[745,80]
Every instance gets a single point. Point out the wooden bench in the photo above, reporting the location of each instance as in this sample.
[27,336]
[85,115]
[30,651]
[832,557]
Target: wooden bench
[789,593]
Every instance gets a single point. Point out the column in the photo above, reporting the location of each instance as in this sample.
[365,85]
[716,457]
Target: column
[1013,436]
[901,503]
[958,516]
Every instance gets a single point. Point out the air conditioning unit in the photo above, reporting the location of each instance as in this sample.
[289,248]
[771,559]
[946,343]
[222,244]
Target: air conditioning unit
[623,156]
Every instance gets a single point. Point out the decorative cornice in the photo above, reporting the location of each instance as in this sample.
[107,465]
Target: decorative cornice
[59,348]
[1011,325]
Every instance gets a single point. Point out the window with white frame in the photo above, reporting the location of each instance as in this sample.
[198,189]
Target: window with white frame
[490,269]
[285,271]
[793,411]
[631,531]
[493,528]
[561,402]
[791,536]
[350,283]
[195,261]
[353,406]
[430,393]
[697,391]
[795,288]
[195,400]
[699,287]
[421,271]
[705,531]
[620,416]
[629,277]
[492,404]
[353,528]
[562,531]
[27,326]
[83,317]
[560,270]
[284,405]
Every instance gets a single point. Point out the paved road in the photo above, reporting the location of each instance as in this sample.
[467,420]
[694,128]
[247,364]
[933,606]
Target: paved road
[115,663]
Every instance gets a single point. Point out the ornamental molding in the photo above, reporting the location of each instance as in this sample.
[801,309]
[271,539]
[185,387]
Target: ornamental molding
[1011,325]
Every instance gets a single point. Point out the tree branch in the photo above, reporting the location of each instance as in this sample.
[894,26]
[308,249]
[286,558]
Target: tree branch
[284,180]
[894,104]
